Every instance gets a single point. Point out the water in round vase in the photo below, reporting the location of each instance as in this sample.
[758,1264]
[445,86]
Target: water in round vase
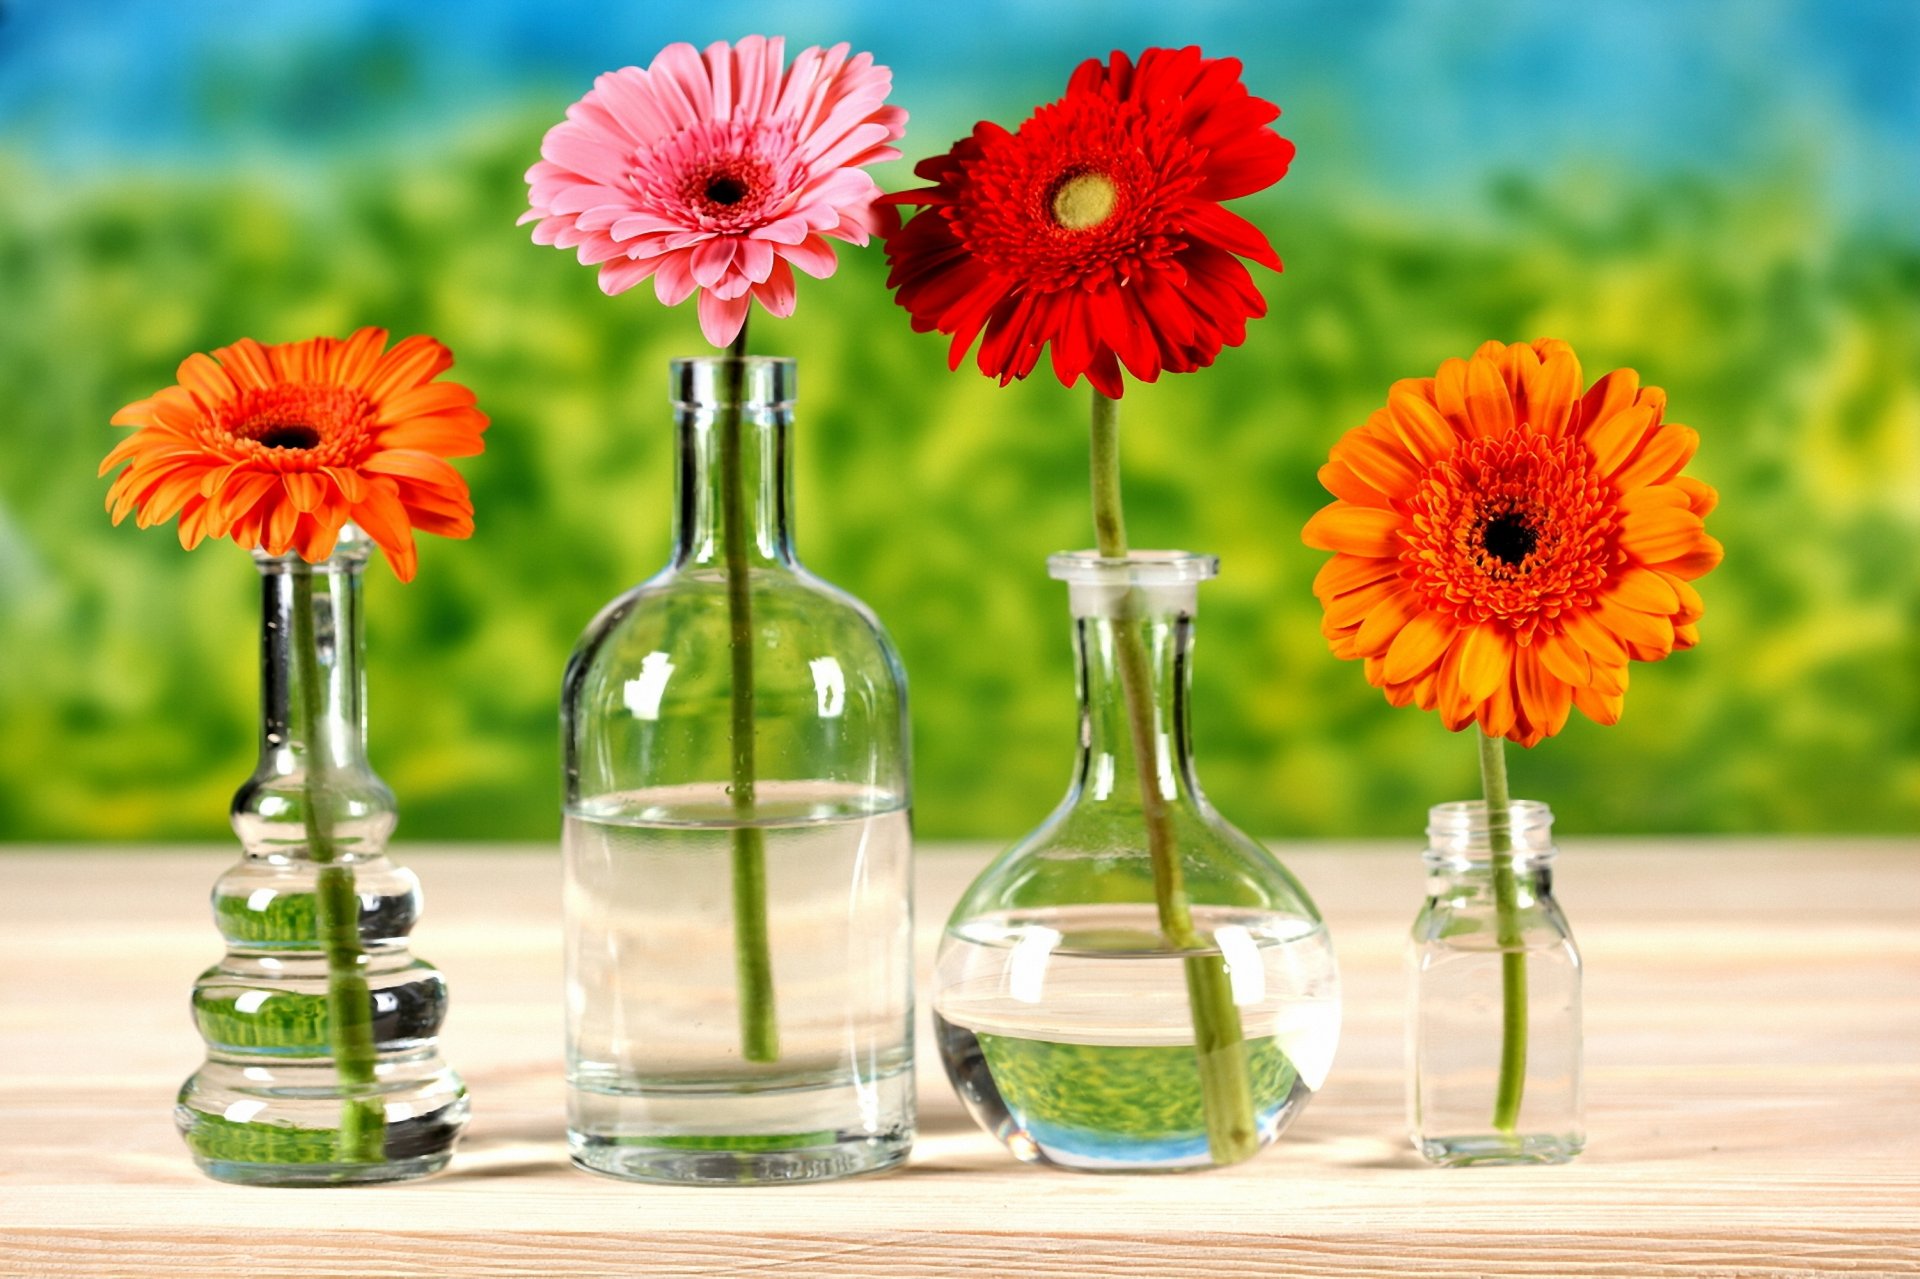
[738,845]
[1137,985]
[323,1064]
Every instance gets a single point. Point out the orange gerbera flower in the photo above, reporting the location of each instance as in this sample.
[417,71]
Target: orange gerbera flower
[278,447]
[1504,545]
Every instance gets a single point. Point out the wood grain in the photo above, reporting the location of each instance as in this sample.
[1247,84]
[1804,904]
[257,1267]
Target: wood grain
[1753,1022]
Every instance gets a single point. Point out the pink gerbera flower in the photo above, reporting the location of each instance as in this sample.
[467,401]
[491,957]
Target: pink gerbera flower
[718,172]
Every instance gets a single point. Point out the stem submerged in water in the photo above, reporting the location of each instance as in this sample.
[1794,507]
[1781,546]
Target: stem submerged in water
[336,906]
[1513,956]
[1226,1087]
[752,957]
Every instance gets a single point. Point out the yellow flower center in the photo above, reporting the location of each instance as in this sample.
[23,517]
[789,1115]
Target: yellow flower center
[1084,200]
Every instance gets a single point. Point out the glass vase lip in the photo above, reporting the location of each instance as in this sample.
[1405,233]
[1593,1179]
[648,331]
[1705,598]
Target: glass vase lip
[700,381]
[351,549]
[1135,569]
[1459,829]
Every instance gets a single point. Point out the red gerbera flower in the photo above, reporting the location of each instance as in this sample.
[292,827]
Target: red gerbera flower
[1097,225]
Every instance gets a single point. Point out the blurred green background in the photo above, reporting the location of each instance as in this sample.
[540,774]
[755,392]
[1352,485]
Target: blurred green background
[1722,196]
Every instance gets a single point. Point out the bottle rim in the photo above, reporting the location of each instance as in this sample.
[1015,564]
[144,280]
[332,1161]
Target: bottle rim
[700,381]
[1135,569]
[1459,829]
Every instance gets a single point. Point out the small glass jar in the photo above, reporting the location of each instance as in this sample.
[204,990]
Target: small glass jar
[1493,1036]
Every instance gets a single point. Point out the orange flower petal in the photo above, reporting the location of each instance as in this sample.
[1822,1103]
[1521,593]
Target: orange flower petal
[1701,497]
[1418,423]
[357,356]
[247,364]
[207,381]
[1643,632]
[1654,536]
[1703,559]
[412,361]
[235,499]
[305,490]
[1486,660]
[1613,440]
[1381,464]
[1497,714]
[1489,404]
[1418,647]
[1665,452]
[1450,397]
[1564,658]
[1337,478]
[1552,391]
[1545,699]
[1357,530]
[419,401]
[1601,644]
[1601,708]
[1608,396]
[1345,573]
[1691,607]
[1352,607]
[1643,590]
[385,520]
[1394,611]
[281,519]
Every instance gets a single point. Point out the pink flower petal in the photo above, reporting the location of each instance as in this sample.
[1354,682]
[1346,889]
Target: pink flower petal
[618,277]
[711,261]
[777,294]
[673,280]
[812,255]
[755,259]
[721,318]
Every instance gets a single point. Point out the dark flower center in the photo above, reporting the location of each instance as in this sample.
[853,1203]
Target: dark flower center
[291,435]
[724,188]
[1508,538]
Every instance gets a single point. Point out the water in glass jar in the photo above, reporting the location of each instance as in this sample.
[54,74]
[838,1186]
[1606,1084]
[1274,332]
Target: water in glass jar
[658,1084]
[1455,1048]
[1068,1033]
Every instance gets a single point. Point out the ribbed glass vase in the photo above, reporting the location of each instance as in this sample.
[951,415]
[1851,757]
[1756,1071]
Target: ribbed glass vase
[323,1065]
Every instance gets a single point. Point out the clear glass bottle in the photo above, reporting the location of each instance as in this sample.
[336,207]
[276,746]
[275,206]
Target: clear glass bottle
[738,844]
[1493,1038]
[1063,1002]
[323,1066]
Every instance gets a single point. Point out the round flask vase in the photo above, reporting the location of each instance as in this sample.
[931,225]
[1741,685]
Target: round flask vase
[1137,985]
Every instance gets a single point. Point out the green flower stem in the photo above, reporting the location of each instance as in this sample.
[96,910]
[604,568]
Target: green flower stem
[362,1137]
[1226,1088]
[1513,956]
[752,957]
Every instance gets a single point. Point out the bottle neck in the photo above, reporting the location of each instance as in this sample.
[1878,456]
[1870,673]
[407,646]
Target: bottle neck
[1462,838]
[1153,631]
[313,790]
[733,493]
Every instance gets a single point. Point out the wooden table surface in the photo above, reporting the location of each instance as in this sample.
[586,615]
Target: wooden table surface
[1753,1059]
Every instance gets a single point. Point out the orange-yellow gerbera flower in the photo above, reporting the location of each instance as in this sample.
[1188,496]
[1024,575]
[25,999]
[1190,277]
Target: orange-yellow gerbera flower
[278,447]
[1504,544]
